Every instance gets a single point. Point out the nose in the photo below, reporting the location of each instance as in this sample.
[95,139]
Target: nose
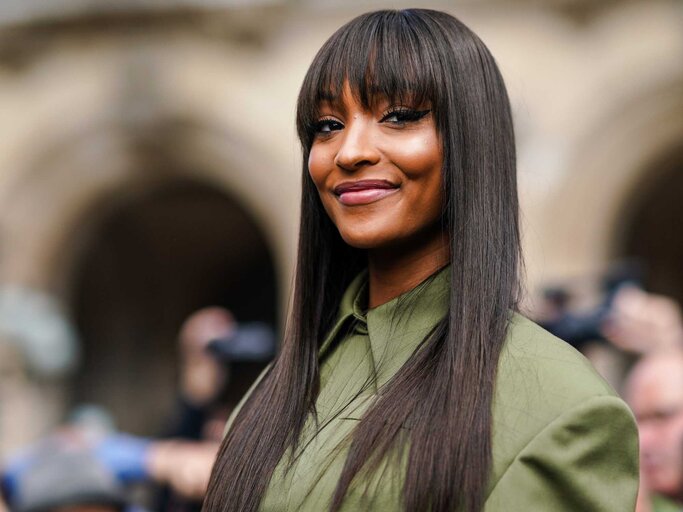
[358,146]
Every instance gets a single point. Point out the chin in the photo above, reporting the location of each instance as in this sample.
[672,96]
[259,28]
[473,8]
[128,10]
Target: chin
[359,242]
[361,239]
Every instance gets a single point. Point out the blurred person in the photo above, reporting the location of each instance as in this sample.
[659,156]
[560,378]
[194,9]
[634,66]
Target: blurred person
[576,310]
[71,468]
[29,402]
[181,466]
[88,443]
[39,348]
[201,375]
[58,476]
[218,361]
[622,321]
[654,390]
[642,322]
[630,318]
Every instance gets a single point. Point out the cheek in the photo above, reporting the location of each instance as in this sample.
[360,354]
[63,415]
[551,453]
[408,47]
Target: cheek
[419,157]
[421,161]
[319,169]
[318,165]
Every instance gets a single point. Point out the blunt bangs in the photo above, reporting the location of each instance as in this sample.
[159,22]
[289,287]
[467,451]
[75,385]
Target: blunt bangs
[383,54]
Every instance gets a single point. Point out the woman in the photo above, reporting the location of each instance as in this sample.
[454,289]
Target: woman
[406,381]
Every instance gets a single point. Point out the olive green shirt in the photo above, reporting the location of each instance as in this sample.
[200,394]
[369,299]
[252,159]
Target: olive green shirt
[562,439]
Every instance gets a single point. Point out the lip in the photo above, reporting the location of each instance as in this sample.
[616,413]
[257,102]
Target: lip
[351,193]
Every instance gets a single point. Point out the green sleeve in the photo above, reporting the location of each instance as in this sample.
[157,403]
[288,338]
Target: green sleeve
[586,459]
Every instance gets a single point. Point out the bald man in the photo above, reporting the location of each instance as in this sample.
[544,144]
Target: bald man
[654,390]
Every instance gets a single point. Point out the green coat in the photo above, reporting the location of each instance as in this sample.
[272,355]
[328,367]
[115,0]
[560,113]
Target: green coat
[562,439]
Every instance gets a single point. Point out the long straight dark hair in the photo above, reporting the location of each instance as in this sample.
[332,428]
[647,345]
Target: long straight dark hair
[444,392]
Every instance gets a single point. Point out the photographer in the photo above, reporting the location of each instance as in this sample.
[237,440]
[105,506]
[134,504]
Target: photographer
[627,316]
[219,360]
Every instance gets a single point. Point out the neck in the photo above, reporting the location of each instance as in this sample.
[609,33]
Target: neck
[394,271]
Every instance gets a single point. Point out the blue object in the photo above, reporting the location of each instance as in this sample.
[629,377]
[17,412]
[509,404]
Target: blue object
[125,456]
[54,474]
[12,473]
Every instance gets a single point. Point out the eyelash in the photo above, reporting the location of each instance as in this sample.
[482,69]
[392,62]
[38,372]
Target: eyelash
[318,127]
[403,116]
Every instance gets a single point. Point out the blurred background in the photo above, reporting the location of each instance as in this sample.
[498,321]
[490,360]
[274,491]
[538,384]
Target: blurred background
[149,168]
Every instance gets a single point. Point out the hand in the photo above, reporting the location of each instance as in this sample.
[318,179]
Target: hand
[642,322]
[184,465]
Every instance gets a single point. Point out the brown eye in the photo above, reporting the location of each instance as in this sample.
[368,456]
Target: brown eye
[327,126]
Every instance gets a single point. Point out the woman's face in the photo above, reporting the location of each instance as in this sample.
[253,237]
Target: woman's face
[378,171]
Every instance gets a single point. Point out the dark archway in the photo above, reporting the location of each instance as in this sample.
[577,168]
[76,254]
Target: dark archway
[653,226]
[155,259]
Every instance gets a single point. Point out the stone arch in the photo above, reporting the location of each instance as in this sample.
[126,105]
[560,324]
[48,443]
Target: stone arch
[105,182]
[73,181]
[652,223]
[612,162]
[161,255]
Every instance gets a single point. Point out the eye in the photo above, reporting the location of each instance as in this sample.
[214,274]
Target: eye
[403,115]
[327,125]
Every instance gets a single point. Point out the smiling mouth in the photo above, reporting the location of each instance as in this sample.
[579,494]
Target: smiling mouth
[354,193]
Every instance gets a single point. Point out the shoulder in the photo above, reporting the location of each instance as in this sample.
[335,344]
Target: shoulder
[545,369]
[545,391]
[540,377]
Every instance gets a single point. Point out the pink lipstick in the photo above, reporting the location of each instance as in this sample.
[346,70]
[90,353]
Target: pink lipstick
[351,193]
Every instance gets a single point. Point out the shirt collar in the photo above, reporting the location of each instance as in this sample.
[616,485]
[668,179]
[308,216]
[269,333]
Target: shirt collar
[397,327]
[350,307]
[355,299]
